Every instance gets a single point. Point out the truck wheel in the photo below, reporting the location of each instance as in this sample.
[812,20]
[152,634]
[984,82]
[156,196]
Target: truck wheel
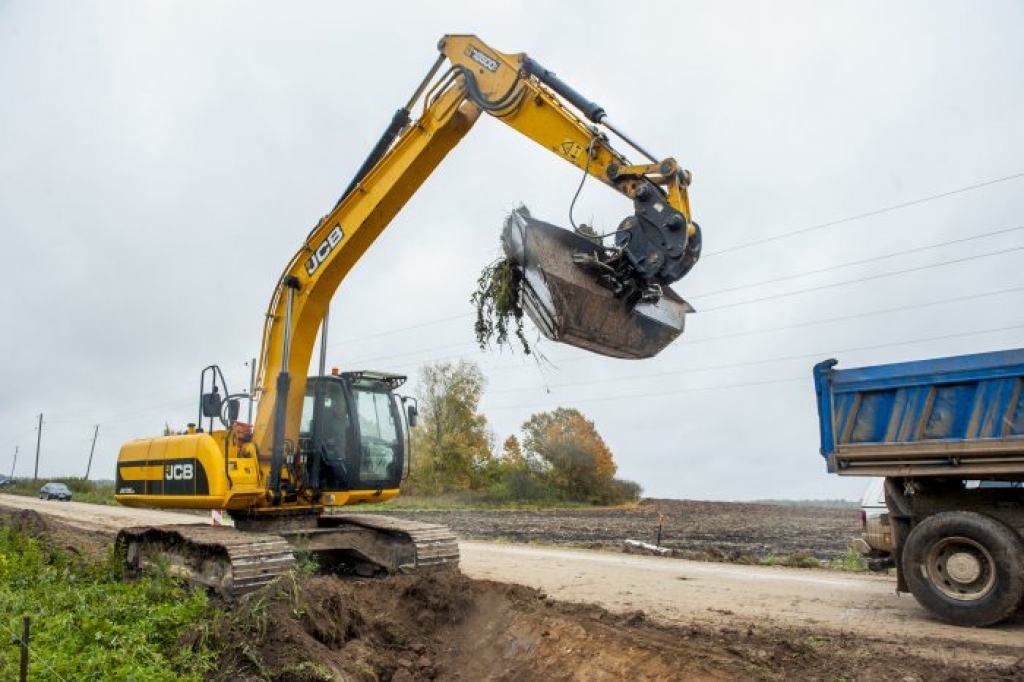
[965,567]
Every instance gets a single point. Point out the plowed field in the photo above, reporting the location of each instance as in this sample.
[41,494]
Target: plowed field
[716,531]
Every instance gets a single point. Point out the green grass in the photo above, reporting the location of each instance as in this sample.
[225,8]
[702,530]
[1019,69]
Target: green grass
[82,490]
[853,561]
[795,560]
[88,624]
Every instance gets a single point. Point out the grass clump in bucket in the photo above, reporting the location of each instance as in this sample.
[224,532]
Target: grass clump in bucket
[498,302]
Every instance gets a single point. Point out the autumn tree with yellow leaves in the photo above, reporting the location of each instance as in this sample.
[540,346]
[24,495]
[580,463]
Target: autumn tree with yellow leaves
[578,462]
[560,456]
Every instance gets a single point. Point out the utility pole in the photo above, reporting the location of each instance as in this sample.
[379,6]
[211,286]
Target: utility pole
[39,440]
[95,433]
[15,463]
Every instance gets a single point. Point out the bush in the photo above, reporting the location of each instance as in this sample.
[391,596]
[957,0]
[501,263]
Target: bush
[853,561]
[620,491]
[519,485]
[87,624]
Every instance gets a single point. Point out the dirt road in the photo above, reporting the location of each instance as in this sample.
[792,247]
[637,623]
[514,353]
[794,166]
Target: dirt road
[675,591]
[678,592]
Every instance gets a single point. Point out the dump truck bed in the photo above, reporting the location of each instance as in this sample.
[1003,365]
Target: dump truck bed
[959,416]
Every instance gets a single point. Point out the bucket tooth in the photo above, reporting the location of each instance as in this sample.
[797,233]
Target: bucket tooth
[568,303]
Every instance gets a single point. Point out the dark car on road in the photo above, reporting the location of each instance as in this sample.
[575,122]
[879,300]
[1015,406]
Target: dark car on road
[55,491]
[6,481]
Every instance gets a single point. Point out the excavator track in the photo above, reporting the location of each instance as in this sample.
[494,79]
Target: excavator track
[233,562]
[408,545]
[229,561]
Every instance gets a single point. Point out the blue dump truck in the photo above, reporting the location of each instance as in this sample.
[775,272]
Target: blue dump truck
[947,435]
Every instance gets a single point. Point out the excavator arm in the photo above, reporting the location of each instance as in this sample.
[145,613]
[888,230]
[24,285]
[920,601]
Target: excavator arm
[656,246]
[612,299]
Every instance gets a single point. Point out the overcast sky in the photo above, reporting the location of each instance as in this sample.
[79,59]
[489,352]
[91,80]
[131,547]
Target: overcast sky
[160,163]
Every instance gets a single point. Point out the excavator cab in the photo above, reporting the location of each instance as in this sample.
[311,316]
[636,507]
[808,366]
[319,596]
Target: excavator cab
[351,432]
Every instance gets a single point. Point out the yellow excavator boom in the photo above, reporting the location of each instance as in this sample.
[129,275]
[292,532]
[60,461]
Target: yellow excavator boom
[480,79]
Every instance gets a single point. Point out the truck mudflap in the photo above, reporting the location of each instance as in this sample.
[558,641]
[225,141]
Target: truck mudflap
[568,303]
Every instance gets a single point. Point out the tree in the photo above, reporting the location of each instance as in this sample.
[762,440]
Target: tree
[512,452]
[451,443]
[579,462]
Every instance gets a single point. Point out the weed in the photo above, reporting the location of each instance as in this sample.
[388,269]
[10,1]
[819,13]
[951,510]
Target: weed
[852,561]
[799,559]
[306,563]
[498,302]
[308,670]
[255,615]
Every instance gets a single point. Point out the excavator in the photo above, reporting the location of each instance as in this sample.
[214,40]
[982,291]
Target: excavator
[332,440]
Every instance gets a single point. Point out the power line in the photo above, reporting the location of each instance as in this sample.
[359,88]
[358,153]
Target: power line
[849,264]
[731,335]
[843,318]
[688,341]
[402,329]
[17,441]
[839,266]
[699,389]
[178,403]
[412,352]
[864,279]
[861,216]
[763,330]
[746,363]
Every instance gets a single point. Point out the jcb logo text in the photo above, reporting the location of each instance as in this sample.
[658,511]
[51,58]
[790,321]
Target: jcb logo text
[324,250]
[177,472]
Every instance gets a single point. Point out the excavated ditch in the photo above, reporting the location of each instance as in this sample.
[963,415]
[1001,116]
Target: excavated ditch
[445,626]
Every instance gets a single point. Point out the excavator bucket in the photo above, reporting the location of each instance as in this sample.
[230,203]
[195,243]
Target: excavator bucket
[567,302]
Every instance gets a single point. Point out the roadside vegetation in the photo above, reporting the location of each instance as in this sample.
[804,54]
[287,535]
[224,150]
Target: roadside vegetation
[851,561]
[558,457]
[89,624]
[82,490]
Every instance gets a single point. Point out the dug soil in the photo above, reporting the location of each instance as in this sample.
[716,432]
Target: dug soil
[444,626]
[448,627]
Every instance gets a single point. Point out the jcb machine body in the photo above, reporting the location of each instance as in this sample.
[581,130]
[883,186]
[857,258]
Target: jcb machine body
[330,441]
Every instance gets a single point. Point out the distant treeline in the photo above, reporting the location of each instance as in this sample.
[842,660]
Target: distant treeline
[825,504]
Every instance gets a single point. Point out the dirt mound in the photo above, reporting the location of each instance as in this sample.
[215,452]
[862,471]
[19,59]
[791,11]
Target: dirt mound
[330,628]
[55,533]
[447,627]
[28,522]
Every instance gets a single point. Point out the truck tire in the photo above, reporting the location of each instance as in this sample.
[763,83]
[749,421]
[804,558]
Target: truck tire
[965,567]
